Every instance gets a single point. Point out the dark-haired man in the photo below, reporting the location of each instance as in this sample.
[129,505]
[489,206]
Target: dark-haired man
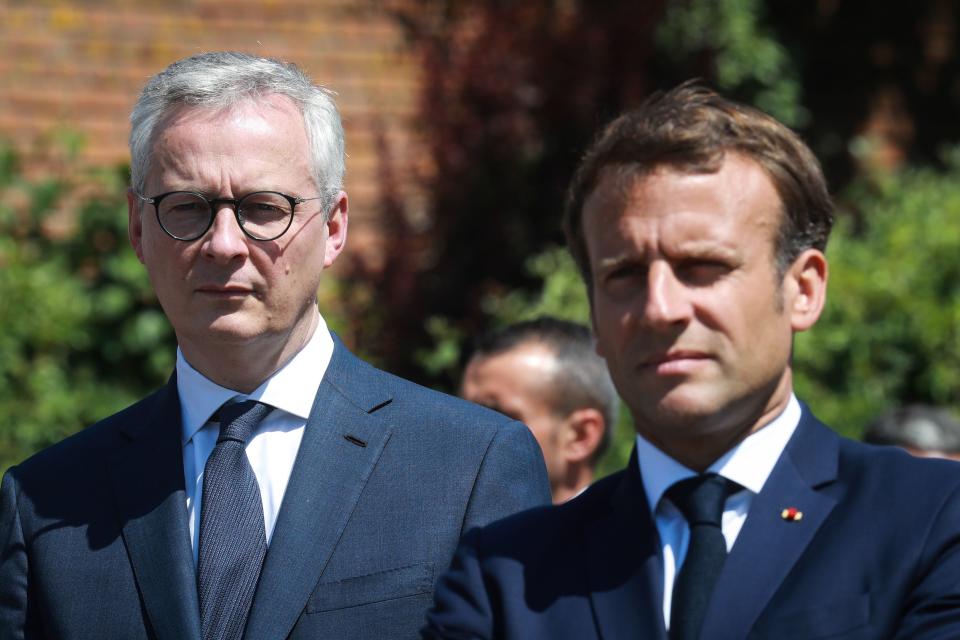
[699,225]
[547,374]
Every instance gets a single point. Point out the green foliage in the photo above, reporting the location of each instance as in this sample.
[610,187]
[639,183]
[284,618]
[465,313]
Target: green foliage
[890,334]
[82,334]
[745,58]
[563,294]
[444,354]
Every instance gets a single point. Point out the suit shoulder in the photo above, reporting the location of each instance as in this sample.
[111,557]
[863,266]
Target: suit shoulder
[78,449]
[908,488]
[445,403]
[431,407]
[531,527]
[822,454]
[896,463]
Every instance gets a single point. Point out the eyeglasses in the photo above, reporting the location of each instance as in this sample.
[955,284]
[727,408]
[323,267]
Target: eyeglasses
[187,215]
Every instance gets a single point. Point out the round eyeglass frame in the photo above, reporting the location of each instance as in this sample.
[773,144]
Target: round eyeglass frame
[213,204]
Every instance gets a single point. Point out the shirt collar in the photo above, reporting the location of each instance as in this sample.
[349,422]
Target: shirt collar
[748,464]
[292,388]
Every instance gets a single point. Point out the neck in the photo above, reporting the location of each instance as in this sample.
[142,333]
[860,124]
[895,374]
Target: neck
[245,366]
[698,445]
[576,479]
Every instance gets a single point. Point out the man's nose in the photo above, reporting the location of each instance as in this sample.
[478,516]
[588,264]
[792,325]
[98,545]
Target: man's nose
[667,301]
[225,240]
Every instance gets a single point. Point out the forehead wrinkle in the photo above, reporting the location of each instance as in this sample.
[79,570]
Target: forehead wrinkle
[188,163]
[177,171]
[706,248]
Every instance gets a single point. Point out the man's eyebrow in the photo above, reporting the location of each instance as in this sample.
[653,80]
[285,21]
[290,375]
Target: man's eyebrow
[620,259]
[708,249]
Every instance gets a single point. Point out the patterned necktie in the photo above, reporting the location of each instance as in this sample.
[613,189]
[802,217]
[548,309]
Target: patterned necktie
[701,500]
[232,538]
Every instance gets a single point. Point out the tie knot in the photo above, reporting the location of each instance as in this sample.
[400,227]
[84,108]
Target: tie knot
[238,420]
[701,498]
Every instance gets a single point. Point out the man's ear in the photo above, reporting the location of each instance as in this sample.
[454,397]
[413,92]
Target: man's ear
[135,223]
[582,434]
[337,219]
[805,289]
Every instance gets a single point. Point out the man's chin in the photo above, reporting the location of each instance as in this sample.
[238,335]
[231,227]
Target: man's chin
[229,330]
[679,411]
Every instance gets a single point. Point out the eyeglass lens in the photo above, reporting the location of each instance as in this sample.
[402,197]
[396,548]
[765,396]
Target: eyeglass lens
[263,215]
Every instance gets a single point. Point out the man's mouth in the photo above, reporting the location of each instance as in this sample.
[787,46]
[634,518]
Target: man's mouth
[227,291]
[674,362]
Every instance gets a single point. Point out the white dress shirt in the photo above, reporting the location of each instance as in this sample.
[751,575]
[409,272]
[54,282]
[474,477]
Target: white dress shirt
[748,464]
[273,448]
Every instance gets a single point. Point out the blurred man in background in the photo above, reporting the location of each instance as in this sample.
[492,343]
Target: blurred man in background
[546,373]
[920,429]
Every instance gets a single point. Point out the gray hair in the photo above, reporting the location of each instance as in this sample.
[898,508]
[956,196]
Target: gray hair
[223,79]
[918,426]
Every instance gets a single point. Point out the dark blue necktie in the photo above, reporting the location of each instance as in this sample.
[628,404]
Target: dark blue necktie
[232,538]
[701,500]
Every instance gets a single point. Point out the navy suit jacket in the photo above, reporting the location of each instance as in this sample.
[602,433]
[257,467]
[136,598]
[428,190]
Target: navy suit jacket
[876,554]
[94,534]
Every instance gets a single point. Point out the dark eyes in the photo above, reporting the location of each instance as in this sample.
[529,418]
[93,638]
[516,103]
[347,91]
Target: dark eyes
[627,271]
[187,207]
[701,272]
[265,207]
[694,272]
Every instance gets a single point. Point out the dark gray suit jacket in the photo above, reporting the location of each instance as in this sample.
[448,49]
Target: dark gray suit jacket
[94,535]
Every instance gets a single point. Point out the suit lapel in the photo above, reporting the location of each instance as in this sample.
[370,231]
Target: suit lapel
[325,485]
[624,565]
[769,545]
[148,485]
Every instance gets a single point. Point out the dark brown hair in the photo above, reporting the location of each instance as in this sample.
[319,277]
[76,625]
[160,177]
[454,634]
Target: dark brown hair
[690,128]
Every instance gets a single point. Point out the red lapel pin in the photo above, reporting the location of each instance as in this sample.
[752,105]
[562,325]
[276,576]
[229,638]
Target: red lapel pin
[791,514]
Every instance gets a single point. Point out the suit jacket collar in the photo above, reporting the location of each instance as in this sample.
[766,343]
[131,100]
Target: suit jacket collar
[325,485]
[624,568]
[341,445]
[147,478]
[769,545]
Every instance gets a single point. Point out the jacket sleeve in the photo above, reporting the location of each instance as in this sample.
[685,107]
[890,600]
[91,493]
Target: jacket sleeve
[932,608]
[512,477]
[13,564]
[461,608]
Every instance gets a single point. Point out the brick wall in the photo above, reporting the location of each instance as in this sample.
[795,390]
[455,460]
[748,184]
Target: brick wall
[78,66]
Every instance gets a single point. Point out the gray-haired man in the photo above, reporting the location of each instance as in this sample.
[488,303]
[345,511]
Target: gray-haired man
[277,486]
